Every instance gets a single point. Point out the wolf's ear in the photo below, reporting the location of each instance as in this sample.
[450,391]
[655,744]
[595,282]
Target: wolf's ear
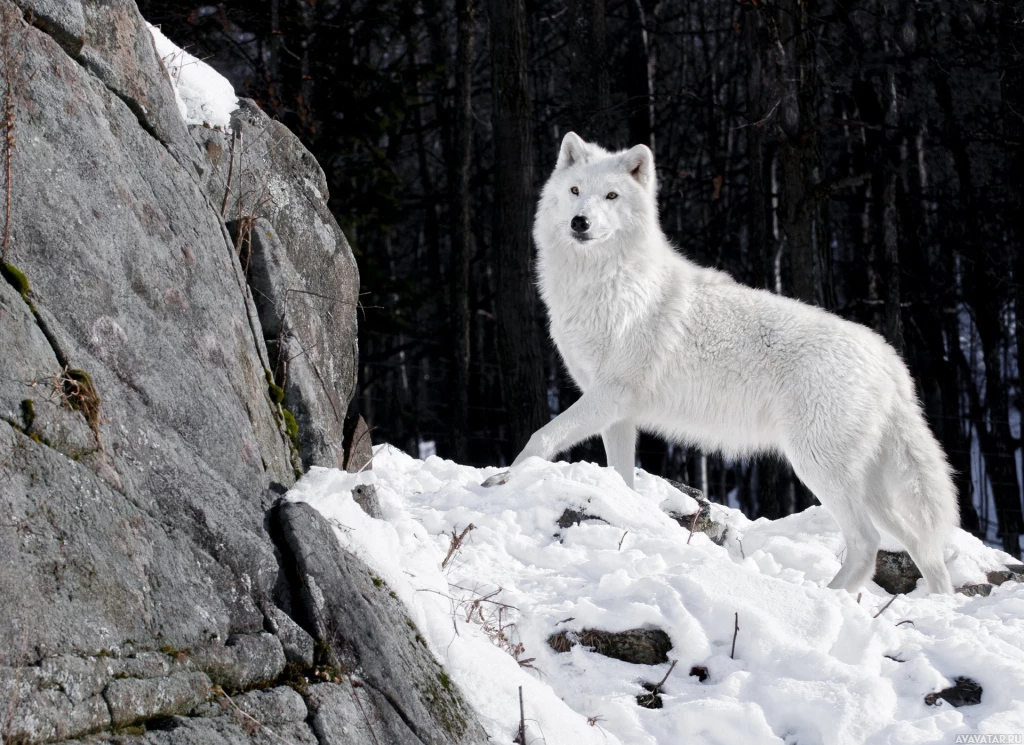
[573,151]
[639,162]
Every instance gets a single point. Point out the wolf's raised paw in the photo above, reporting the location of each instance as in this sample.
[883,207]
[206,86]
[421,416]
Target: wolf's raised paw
[497,479]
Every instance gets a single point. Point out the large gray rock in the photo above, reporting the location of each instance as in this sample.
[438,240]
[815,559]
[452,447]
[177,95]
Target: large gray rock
[300,266]
[141,443]
[343,716]
[896,572]
[245,661]
[369,634]
[109,37]
[131,700]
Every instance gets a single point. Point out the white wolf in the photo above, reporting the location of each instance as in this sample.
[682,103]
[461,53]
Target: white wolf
[658,343]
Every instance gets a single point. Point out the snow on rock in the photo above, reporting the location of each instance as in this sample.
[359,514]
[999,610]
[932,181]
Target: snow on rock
[812,665]
[203,95]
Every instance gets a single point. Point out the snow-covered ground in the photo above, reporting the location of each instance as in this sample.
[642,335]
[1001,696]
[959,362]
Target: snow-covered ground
[811,665]
[203,95]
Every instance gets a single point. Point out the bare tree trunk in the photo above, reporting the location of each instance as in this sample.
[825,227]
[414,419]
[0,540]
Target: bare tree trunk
[762,248]
[987,271]
[308,14]
[1012,90]
[890,217]
[274,65]
[995,435]
[520,345]
[639,73]
[762,242]
[798,145]
[462,236]
[588,69]
[796,212]
[951,423]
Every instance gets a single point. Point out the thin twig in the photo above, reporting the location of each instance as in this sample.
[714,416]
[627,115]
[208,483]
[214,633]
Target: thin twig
[763,120]
[693,526]
[672,667]
[359,703]
[231,171]
[622,539]
[521,735]
[331,298]
[735,631]
[885,606]
[456,544]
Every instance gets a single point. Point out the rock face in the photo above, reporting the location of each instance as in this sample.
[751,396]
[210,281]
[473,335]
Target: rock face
[151,414]
[341,601]
[274,197]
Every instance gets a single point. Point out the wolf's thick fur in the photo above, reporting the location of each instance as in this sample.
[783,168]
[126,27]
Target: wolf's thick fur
[658,343]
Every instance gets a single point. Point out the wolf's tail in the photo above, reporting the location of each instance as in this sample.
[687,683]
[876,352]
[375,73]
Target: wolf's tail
[923,508]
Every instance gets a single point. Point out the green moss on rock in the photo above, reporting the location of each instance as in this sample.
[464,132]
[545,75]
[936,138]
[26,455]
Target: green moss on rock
[275,391]
[445,706]
[292,427]
[16,279]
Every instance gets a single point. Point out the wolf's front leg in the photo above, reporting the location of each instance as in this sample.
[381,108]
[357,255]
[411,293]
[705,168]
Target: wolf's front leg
[620,448]
[597,410]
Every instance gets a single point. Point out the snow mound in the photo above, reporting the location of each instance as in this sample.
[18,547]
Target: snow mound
[812,665]
[203,95]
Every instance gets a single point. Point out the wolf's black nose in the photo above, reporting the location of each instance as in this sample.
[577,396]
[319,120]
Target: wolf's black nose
[580,224]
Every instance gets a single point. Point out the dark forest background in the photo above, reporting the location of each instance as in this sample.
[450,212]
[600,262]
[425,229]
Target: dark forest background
[862,156]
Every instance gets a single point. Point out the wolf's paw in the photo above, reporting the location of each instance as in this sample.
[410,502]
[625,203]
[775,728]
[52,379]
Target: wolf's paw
[497,479]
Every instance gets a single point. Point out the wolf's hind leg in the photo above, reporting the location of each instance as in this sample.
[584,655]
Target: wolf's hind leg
[929,560]
[862,542]
[844,499]
[924,548]
[620,448]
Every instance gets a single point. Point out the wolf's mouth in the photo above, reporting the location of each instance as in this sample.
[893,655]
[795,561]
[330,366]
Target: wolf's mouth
[582,238]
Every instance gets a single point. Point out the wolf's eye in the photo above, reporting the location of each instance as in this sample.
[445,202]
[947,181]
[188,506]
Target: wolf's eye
[612,195]
[575,191]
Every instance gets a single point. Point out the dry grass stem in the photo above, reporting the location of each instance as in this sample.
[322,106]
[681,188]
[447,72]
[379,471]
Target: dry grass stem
[456,544]
[231,171]
[492,615]
[882,610]
[520,737]
[735,631]
[670,669]
[693,526]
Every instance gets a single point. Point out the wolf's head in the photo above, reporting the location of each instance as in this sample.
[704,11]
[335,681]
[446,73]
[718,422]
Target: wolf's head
[595,197]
